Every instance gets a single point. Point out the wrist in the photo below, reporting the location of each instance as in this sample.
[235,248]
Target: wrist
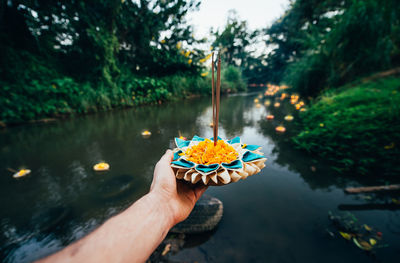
[162,206]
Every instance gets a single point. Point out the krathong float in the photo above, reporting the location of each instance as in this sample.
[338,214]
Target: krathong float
[280,129]
[146,134]
[21,173]
[215,161]
[101,167]
[289,118]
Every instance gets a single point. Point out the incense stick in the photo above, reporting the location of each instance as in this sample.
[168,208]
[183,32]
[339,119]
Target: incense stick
[218,89]
[213,95]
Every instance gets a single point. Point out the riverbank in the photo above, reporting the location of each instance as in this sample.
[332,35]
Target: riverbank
[356,127]
[60,97]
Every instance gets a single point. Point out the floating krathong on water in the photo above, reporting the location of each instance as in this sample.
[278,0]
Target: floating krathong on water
[289,118]
[146,134]
[280,129]
[101,167]
[198,160]
[21,173]
[270,117]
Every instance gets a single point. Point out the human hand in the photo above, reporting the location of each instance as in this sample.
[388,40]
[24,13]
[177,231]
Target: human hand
[179,196]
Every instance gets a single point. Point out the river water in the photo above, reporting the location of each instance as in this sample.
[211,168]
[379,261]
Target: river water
[279,215]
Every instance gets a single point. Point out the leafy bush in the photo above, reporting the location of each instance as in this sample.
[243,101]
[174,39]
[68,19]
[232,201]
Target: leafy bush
[357,128]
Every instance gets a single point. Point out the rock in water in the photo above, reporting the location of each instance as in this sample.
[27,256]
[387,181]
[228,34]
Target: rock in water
[205,216]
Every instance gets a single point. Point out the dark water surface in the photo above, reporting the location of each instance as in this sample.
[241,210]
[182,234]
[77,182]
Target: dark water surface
[280,215]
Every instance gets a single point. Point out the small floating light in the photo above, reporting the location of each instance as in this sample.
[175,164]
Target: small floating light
[22,173]
[288,118]
[267,102]
[146,134]
[258,105]
[211,124]
[277,104]
[303,109]
[101,167]
[270,117]
[280,129]
[256,100]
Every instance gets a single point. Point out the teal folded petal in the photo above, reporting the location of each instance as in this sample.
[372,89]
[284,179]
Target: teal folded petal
[252,147]
[207,168]
[183,163]
[234,140]
[176,155]
[249,156]
[218,138]
[197,139]
[181,143]
[237,164]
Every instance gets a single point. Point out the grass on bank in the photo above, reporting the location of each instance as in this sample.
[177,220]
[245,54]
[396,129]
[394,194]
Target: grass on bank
[357,128]
[44,97]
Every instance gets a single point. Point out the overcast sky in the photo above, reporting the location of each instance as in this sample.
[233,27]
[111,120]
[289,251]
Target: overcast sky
[258,13]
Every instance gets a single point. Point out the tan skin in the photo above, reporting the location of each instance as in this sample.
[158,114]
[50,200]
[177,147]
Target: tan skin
[135,233]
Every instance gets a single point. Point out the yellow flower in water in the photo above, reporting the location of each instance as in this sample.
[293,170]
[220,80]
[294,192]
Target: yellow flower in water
[179,45]
[190,61]
[321,125]
[187,53]
[390,146]
[204,74]
[346,236]
[372,241]
[163,41]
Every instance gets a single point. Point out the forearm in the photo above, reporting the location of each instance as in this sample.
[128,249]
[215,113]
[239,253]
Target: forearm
[128,237]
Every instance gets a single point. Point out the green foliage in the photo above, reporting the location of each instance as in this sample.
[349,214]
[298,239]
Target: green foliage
[356,128]
[328,43]
[64,96]
[234,43]
[232,79]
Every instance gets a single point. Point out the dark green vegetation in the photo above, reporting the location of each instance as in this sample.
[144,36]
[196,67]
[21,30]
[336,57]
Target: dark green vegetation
[356,127]
[318,48]
[60,58]
[319,44]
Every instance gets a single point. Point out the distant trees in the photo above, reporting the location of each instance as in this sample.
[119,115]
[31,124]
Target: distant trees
[97,40]
[327,43]
[234,43]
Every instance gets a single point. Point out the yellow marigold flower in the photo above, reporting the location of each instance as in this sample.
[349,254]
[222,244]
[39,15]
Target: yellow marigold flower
[206,153]
[190,61]
[163,41]
[204,74]
[187,53]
